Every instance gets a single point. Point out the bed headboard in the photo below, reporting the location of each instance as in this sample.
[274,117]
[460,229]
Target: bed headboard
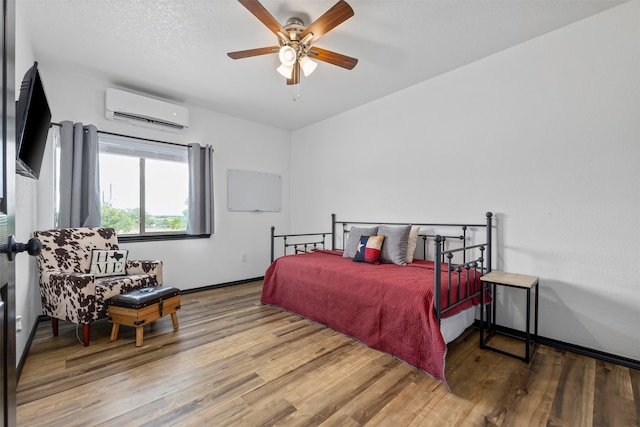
[440,234]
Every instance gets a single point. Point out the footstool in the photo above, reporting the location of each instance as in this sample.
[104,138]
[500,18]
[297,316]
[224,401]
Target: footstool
[142,306]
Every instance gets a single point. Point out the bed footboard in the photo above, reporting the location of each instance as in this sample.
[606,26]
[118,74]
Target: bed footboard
[300,243]
[465,275]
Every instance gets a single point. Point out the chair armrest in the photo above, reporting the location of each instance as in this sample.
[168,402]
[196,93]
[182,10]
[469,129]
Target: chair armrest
[71,280]
[66,295]
[150,267]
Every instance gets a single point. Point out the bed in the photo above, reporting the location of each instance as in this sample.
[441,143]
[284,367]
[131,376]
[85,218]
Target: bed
[406,299]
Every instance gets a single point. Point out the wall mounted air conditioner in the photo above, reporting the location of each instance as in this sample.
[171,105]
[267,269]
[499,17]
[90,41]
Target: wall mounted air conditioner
[143,111]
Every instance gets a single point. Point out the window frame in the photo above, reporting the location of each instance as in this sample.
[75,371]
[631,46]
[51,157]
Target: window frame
[143,235]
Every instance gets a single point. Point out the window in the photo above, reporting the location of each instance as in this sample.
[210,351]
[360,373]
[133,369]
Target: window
[144,185]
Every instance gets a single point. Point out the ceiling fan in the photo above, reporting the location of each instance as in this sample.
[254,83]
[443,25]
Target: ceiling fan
[296,49]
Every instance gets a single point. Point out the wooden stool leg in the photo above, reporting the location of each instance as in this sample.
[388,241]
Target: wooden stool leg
[139,335]
[174,319]
[114,331]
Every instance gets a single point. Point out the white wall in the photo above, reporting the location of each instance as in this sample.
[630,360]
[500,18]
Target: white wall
[238,144]
[188,264]
[551,134]
[27,296]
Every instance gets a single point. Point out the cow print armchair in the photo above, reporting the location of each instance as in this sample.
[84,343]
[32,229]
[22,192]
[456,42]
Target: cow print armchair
[81,268]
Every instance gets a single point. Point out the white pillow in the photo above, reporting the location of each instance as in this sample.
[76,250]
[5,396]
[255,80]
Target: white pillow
[412,243]
[108,262]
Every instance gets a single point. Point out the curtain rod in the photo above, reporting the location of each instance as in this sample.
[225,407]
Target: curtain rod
[129,136]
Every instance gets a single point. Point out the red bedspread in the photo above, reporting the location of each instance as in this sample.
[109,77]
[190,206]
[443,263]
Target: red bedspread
[387,307]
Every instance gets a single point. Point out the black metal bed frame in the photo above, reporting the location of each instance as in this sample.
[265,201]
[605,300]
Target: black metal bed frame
[463,272]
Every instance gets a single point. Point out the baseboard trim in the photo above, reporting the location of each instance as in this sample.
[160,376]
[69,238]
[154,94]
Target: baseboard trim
[596,354]
[221,285]
[574,348]
[27,347]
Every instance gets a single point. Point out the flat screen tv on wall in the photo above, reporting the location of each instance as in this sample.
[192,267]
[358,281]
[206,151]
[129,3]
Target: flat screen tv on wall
[33,120]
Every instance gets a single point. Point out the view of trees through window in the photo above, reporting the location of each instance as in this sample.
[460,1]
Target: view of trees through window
[128,220]
[164,199]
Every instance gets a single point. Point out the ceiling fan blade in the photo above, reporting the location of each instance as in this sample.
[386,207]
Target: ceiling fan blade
[253,52]
[259,11]
[295,76]
[334,58]
[333,17]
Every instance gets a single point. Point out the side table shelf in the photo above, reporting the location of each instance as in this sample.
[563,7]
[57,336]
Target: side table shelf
[518,281]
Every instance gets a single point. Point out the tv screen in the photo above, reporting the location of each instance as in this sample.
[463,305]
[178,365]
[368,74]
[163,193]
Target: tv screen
[33,119]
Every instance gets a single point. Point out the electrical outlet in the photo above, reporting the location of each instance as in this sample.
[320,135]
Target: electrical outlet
[18,323]
[243,257]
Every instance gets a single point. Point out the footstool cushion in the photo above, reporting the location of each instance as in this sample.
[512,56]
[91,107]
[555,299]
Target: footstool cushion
[142,306]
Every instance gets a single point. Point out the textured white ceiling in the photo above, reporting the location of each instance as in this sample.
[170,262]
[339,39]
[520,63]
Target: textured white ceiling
[177,48]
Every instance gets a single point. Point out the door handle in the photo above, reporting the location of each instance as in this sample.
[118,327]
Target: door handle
[33,247]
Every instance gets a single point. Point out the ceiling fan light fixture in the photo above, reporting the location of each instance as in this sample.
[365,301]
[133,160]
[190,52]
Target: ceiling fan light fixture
[307,65]
[285,70]
[287,55]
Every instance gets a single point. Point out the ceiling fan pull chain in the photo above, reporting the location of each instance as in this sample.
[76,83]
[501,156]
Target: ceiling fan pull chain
[296,92]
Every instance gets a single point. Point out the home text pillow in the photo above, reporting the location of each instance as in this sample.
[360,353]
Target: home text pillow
[396,241]
[108,262]
[353,240]
[412,242]
[369,249]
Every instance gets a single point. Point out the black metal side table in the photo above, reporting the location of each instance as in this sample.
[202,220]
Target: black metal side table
[518,281]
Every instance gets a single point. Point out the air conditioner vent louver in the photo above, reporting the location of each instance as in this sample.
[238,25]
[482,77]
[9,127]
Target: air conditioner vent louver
[125,116]
[144,111]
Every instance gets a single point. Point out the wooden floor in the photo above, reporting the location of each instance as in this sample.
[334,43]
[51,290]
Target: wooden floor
[237,362]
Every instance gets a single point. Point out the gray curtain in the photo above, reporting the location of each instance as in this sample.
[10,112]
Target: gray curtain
[200,190]
[79,176]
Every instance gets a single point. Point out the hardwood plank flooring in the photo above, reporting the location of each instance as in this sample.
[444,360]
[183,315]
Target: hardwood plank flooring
[235,362]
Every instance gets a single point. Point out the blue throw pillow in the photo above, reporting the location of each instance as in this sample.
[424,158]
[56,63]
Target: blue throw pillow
[368,249]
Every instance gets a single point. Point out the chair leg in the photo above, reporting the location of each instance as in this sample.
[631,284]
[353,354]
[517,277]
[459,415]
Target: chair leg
[86,333]
[54,326]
